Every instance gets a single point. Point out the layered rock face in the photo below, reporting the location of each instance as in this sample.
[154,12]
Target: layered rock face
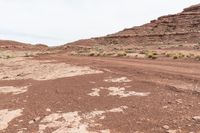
[183,27]
[180,28]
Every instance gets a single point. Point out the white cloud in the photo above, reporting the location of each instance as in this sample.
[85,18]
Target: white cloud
[60,21]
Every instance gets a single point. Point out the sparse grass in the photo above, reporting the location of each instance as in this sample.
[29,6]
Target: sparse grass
[190,55]
[27,55]
[197,57]
[168,54]
[94,53]
[8,56]
[178,55]
[108,54]
[151,54]
[121,54]
[196,46]
[175,55]
[129,50]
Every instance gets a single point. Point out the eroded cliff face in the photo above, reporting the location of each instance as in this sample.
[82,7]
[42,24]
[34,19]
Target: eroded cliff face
[180,28]
[183,27]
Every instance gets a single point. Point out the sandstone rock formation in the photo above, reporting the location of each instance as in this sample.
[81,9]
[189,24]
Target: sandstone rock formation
[180,28]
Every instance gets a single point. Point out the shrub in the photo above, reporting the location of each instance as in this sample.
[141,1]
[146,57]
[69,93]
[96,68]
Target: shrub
[94,53]
[121,54]
[168,55]
[181,55]
[129,50]
[27,55]
[178,55]
[151,54]
[9,56]
[190,55]
[196,47]
[175,56]
[197,57]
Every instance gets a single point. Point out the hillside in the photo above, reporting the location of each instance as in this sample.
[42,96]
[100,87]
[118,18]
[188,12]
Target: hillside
[13,45]
[181,28]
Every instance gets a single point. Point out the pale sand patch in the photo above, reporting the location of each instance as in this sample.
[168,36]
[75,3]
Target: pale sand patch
[121,92]
[118,80]
[22,130]
[13,90]
[75,122]
[21,68]
[95,92]
[117,91]
[6,116]
[120,109]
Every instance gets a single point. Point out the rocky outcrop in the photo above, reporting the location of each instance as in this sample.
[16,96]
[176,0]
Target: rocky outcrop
[180,28]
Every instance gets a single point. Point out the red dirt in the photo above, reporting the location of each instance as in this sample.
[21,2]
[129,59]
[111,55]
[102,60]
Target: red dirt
[172,87]
[168,102]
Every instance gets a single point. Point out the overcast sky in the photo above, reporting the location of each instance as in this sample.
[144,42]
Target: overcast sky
[56,22]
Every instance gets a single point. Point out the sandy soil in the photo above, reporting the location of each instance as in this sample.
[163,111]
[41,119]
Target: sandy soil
[63,94]
[39,70]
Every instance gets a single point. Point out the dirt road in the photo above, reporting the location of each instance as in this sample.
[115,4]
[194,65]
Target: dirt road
[63,94]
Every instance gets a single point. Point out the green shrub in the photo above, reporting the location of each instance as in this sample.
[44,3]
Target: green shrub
[151,54]
[178,55]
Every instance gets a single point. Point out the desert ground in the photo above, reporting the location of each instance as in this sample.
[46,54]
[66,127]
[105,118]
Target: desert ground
[144,79]
[60,93]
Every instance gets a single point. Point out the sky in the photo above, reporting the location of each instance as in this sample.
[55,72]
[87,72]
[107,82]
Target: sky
[57,22]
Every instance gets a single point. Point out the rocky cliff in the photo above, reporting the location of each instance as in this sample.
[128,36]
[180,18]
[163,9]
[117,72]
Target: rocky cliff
[179,28]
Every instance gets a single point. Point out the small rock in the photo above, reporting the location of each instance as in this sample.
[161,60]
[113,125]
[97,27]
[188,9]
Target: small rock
[166,127]
[34,120]
[189,125]
[171,131]
[20,120]
[31,122]
[196,118]
[190,105]
[15,125]
[169,102]
[48,110]
[179,101]
[37,119]
[165,107]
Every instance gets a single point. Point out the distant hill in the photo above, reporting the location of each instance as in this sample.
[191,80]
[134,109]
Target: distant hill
[13,45]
